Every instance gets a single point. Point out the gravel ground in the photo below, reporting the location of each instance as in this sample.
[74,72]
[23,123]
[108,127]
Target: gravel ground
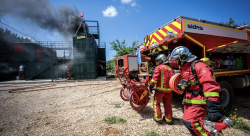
[80,108]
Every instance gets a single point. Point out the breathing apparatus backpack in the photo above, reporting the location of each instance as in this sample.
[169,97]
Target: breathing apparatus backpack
[184,84]
[204,60]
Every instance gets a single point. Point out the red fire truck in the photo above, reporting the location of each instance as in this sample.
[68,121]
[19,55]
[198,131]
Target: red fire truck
[227,48]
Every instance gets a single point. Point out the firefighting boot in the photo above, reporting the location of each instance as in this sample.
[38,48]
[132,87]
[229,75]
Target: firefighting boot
[158,122]
[169,123]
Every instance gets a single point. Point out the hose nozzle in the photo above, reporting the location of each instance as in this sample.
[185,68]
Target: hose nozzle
[218,126]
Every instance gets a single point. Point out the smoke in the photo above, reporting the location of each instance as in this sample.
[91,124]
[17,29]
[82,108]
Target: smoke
[79,55]
[6,68]
[64,19]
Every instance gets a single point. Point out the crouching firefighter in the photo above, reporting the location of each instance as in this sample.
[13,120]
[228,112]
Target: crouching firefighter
[201,95]
[160,80]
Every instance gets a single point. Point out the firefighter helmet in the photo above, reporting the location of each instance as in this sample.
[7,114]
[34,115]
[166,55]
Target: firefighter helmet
[162,58]
[183,54]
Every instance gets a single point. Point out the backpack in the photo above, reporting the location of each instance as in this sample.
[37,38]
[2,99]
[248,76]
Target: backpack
[196,77]
[194,71]
[192,66]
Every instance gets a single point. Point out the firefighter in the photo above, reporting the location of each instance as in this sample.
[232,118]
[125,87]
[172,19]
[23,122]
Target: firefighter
[21,72]
[160,79]
[69,71]
[200,97]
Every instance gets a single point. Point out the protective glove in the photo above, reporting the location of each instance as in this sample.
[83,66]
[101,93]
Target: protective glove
[213,109]
[182,85]
[150,88]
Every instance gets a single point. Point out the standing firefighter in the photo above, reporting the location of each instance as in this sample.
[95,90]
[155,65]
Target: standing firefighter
[69,72]
[21,72]
[201,94]
[161,77]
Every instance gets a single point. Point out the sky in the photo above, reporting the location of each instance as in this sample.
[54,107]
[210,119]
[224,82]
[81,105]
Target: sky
[131,20]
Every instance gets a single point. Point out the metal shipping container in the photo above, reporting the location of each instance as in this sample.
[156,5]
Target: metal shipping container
[102,54]
[32,52]
[85,58]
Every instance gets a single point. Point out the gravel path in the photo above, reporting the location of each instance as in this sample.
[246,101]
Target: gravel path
[80,108]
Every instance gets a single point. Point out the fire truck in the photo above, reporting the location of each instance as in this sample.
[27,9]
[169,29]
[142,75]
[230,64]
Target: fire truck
[227,48]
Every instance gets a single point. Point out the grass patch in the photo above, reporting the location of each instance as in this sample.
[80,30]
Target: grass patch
[121,120]
[1,130]
[113,120]
[118,105]
[239,122]
[151,133]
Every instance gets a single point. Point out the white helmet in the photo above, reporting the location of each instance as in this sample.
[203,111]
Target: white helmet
[183,54]
[162,58]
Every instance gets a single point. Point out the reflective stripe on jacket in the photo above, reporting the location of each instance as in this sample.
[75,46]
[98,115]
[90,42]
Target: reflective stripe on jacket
[205,75]
[161,77]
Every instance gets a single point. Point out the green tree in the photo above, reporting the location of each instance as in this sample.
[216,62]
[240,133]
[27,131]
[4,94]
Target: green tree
[122,48]
[111,66]
[232,23]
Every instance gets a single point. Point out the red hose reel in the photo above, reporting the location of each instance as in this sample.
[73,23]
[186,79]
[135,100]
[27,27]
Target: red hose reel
[174,80]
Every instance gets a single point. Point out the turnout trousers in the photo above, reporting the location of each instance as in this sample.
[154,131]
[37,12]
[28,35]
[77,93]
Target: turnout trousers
[193,120]
[166,98]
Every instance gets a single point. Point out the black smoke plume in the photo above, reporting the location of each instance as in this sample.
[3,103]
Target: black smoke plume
[64,19]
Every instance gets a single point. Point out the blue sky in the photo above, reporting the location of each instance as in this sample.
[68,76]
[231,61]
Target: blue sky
[131,19]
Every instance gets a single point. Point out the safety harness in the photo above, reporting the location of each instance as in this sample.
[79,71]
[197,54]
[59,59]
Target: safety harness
[196,82]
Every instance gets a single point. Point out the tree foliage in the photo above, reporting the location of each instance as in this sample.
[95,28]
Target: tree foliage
[110,66]
[9,37]
[232,23]
[6,40]
[122,48]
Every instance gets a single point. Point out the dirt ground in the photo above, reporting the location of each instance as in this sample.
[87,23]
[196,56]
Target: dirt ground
[80,108]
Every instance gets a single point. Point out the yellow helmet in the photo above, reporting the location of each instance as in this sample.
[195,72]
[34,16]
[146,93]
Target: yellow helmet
[206,61]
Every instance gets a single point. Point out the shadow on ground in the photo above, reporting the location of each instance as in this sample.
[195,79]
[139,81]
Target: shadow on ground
[241,104]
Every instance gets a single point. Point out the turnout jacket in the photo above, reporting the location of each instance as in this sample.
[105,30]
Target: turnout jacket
[207,87]
[161,77]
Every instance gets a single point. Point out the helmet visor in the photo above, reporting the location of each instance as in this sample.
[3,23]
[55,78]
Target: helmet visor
[174,58]
[181,52]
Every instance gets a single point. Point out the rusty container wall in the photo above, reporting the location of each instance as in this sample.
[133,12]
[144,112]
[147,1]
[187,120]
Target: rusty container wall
[36,58]
[32,52]
[25,52]
[85,62]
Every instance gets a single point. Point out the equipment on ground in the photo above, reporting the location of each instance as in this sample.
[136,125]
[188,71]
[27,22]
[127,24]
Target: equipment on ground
[216,127]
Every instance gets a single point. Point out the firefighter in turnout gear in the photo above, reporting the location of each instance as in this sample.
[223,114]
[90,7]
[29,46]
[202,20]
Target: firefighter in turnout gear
[69,72]
[201,97]
[160,80]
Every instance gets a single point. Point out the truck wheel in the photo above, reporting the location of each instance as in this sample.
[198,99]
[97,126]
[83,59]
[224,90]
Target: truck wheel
[123,96]
[226,95]
[135,101]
